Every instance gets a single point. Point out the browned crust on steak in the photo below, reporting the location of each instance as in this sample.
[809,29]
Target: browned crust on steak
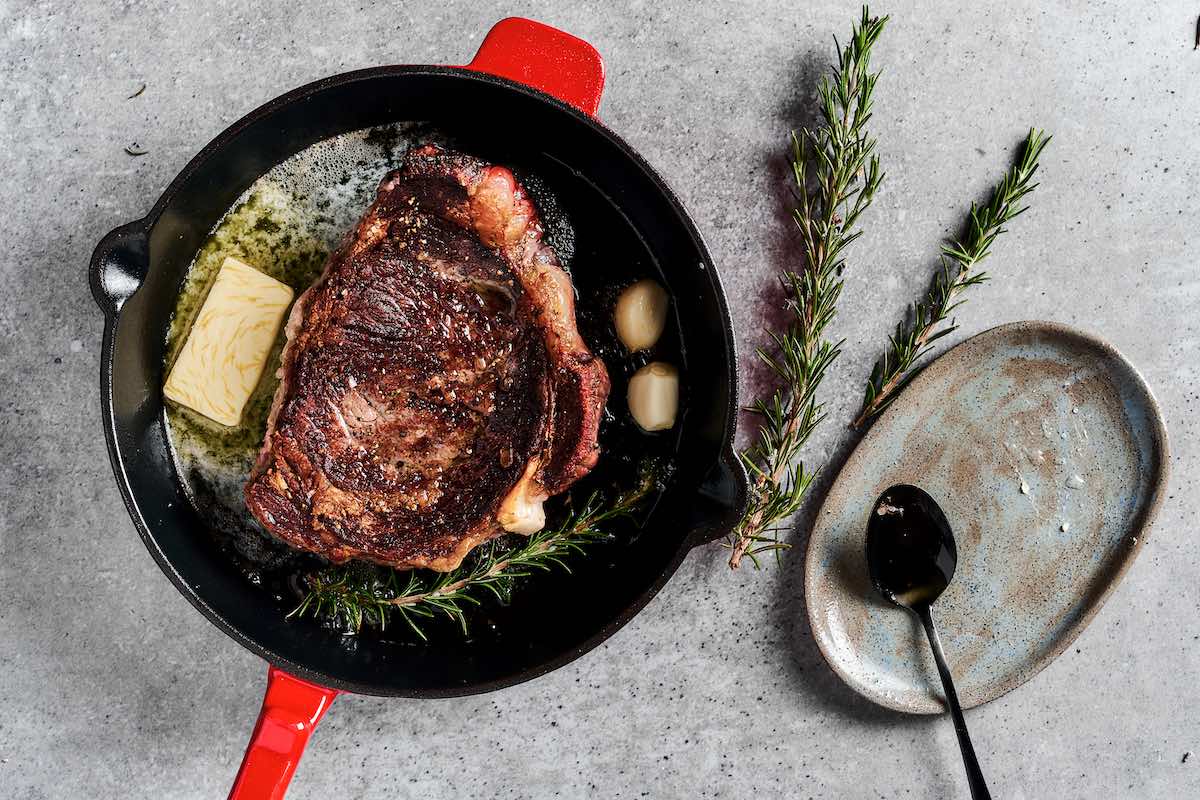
[432,376]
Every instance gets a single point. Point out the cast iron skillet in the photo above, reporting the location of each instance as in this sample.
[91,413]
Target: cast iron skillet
[136,274]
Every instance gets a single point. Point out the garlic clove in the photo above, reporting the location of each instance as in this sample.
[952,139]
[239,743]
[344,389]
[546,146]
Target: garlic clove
[641,314]
[654,396]
[522,510]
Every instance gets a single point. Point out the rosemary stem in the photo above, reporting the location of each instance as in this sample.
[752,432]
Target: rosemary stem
[492,572]
[915,335]
[921,337]
[836,174]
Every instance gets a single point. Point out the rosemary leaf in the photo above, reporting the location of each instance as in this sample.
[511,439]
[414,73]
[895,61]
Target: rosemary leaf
[836,174]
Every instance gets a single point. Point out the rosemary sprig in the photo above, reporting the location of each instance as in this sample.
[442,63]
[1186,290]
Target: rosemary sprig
[959,259]
[836,173]
[355,594]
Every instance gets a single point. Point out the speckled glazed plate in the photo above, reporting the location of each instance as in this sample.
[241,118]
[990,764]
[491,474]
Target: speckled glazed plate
[1048,454]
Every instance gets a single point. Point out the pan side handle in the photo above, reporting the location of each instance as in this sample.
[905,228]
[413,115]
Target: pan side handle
[290,712]
[545,58]
[119,265]
[722,499]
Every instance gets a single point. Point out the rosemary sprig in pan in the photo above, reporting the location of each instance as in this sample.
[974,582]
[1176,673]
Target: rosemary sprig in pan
[355,594]
[836,173]
[959,261]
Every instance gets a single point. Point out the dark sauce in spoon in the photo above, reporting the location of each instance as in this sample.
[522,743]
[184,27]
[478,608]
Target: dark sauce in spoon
[910,548]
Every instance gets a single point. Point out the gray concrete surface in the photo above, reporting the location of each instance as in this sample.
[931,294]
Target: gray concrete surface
[113,686]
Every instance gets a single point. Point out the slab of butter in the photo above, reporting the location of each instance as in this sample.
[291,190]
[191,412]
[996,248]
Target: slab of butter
[227,349]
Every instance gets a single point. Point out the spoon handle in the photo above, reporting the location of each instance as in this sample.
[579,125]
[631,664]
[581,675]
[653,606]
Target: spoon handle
[979,790]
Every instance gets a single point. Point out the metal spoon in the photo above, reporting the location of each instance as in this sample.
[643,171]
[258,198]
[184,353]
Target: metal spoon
[911,556]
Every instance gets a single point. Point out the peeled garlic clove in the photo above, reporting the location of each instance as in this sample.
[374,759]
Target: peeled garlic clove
[521,511]
[641,314]
[654,396]
[524,515]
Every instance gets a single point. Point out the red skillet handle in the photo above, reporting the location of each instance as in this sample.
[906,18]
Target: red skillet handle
[545,58]
[291,710]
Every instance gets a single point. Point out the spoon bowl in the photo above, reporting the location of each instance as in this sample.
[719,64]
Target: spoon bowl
[911,553]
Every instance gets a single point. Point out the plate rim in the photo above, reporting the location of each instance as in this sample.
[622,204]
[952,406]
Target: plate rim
[1157,491]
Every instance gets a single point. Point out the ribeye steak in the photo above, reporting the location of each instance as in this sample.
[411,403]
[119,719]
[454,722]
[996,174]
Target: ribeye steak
[434,387]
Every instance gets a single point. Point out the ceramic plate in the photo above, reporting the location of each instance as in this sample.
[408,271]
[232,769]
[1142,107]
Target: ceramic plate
[1047,452]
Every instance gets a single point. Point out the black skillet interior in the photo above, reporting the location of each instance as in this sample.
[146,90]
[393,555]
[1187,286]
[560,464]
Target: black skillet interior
[567,616]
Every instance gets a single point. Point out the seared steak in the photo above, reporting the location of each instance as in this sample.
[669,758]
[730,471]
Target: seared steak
[435,390]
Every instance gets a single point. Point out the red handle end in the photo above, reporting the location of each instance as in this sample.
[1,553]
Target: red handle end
[545,58]
[290,711]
